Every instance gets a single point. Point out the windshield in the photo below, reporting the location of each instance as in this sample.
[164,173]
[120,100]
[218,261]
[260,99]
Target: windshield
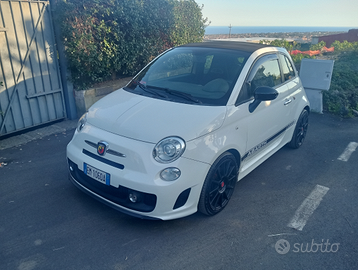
[191,75]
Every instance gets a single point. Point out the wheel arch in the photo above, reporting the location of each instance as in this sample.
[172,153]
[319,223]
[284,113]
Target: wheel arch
[307,108]
[236,155]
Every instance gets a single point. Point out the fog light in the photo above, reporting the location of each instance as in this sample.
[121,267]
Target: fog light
[170,174]
[134,196]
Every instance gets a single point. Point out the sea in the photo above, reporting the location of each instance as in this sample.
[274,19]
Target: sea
[213,30]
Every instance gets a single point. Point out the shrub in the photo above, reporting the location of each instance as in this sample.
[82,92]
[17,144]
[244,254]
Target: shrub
[108,38]
[342,97]
[318,46]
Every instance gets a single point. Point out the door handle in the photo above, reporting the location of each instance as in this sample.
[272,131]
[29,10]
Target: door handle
[287,101]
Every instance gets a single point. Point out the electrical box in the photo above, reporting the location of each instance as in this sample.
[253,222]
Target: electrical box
[316,77]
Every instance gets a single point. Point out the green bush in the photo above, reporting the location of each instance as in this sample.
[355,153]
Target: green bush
[318,46]
[344,46]
[342,97]
[108,38]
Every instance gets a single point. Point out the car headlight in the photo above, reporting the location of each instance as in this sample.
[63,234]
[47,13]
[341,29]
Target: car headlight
[82,122]
[169,149]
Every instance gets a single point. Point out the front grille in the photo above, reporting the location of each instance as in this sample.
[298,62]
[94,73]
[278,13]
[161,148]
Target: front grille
[104,160]
[108,151]
[118,195]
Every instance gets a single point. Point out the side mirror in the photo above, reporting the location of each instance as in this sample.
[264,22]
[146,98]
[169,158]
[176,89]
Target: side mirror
[262,93]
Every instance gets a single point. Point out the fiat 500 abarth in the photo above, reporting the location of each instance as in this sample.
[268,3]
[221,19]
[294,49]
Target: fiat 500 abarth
[193,122]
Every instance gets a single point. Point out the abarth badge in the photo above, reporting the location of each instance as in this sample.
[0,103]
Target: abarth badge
[102,148]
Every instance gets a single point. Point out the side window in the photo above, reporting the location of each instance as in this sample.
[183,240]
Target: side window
[287,68]
[265,72]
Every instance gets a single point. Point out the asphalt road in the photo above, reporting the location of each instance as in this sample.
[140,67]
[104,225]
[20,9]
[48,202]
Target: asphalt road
[46,223]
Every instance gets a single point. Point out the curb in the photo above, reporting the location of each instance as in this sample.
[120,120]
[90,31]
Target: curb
[39,133]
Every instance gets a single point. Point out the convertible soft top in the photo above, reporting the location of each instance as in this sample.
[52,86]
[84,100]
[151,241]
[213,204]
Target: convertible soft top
[232,45]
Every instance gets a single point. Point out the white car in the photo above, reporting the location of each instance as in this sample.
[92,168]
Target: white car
[193,122]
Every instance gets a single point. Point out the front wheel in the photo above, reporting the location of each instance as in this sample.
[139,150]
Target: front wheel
[219,185]
[300,132]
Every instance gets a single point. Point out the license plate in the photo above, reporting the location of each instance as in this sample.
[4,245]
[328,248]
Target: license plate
[96,174]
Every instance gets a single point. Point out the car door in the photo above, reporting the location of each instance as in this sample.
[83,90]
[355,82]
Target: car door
[267,124]
[295,89]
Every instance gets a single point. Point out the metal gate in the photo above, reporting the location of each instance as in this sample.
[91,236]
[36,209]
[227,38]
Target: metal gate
[30,83]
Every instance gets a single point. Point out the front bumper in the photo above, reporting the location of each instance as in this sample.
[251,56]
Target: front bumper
[136,173]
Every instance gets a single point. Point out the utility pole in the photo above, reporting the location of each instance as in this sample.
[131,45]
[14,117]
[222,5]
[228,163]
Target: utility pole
[230,31]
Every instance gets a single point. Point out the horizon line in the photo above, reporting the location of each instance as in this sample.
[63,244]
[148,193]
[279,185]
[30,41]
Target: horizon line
[278,26]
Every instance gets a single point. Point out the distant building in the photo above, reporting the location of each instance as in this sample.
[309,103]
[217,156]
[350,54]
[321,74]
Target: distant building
[351,36]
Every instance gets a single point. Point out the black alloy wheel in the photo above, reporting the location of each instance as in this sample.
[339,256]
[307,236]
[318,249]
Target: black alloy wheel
[300,132]
[219,185]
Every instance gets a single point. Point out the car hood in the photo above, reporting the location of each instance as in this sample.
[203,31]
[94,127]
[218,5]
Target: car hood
[150,120]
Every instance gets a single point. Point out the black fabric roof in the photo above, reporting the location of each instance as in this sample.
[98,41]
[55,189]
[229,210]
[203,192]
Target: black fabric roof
[232,45]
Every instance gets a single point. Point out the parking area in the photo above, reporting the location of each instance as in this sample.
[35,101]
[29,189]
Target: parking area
[298,210]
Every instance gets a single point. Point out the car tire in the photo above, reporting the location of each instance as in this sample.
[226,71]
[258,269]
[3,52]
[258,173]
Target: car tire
[219,185]
[300,132]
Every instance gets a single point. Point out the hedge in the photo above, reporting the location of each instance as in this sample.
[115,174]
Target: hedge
[106,39]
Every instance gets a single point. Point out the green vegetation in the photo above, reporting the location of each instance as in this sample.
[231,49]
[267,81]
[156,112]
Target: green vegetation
[318,47]
[106,39]
[342,97]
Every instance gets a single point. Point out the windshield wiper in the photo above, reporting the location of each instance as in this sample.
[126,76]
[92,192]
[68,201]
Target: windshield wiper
[177,93]
[145,88]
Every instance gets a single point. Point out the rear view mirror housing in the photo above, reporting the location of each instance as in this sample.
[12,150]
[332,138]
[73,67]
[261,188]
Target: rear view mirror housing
[262,93]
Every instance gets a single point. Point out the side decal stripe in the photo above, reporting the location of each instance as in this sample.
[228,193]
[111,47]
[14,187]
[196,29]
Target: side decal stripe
[261,145]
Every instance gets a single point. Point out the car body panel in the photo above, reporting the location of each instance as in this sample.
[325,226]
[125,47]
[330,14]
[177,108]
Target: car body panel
[138,174]
[131,125]
[133,119]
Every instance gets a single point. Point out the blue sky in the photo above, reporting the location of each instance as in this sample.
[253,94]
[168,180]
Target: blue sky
[337,13]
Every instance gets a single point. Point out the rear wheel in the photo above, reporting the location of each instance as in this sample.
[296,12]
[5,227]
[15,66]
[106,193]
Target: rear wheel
[300,132]
[219,185]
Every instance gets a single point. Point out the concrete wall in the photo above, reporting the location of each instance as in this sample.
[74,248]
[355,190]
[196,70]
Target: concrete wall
[86,98]
[351,36]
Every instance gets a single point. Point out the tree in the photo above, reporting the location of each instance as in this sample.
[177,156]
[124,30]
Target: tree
[189,25]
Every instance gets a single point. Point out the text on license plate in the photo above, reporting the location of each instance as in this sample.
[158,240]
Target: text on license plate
[96,174]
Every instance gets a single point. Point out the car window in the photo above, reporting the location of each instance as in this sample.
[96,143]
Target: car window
[287,67]
[268,74]
[184,74]
[265,72]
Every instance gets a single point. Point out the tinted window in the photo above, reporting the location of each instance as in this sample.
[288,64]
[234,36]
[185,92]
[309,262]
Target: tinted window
[207,74]
[265,72]
[287,68]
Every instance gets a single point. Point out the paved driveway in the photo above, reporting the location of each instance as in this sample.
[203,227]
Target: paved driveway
[298,210]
